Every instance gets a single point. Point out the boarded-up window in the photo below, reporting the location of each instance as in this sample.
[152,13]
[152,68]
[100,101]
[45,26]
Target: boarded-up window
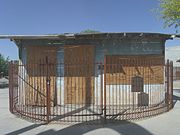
[37,72]
[121,69]
[79,74]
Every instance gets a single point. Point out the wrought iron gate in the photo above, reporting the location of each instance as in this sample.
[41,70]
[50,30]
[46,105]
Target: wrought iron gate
[73,92]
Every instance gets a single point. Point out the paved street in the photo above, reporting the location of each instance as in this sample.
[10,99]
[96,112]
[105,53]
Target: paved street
[165,124]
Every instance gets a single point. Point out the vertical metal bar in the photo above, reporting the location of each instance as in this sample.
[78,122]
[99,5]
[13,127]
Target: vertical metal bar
[78,84]
[71,88]
[65,88]
[47,91]
[130,93]
[121,83]
[20,77]
[117,73]
[130,73]
[87,86]
[23,89]
[75,89]
[54,94]
[109,76]
[36,89]
[105,89]
[28,89]
[10,86]
[171,81]
[101,74]
[167,94]
[82,85]
[60,86]
[16,84]
[44,88]
[41,88]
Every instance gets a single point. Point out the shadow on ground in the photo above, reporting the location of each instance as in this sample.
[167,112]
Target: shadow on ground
[175,97]
[115,127]
[123,128]
[118,127]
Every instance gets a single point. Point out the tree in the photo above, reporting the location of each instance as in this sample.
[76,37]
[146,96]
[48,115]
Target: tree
[89,31]
[4,65]
[170,13]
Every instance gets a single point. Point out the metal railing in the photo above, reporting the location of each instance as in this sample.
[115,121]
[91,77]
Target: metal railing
[85,92]
[176,73]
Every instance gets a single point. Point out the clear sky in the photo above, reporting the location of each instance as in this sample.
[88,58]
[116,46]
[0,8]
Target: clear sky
[62,16]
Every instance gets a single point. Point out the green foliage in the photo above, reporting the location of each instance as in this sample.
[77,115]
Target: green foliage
[89,31]
[170,13]
[4,65]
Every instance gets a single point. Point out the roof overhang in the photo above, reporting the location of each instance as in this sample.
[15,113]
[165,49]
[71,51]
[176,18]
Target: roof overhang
[89,36]
[176,36]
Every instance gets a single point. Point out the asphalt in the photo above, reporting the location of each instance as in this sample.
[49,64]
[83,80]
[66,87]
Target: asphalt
[164,124]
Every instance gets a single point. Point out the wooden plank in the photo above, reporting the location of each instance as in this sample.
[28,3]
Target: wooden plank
[121,70]
[79,71]
[37,74]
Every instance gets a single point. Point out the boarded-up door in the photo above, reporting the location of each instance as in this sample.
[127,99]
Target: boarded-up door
[79,71]
[41,64]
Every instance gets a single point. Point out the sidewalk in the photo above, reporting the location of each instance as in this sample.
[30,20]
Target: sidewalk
[4,83]
[165,124]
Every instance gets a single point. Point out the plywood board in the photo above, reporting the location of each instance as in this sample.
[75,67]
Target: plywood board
[37,73]
[121,70]
[79,71]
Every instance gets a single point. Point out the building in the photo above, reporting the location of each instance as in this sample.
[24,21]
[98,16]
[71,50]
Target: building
[108,73]
[172,53]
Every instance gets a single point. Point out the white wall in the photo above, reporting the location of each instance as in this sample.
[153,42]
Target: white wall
[173,53]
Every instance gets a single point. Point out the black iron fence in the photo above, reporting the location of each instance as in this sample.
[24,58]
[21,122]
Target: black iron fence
[81,92]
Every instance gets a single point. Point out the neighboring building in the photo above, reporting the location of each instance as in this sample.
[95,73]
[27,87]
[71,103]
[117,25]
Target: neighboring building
[173,53]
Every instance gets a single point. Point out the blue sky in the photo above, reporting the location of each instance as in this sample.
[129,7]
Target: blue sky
[62,16]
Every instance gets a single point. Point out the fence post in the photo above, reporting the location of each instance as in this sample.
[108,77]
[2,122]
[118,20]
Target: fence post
[105,89]
[167,87]
[101,68]
[10,72]
[171,81]
[47,90]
